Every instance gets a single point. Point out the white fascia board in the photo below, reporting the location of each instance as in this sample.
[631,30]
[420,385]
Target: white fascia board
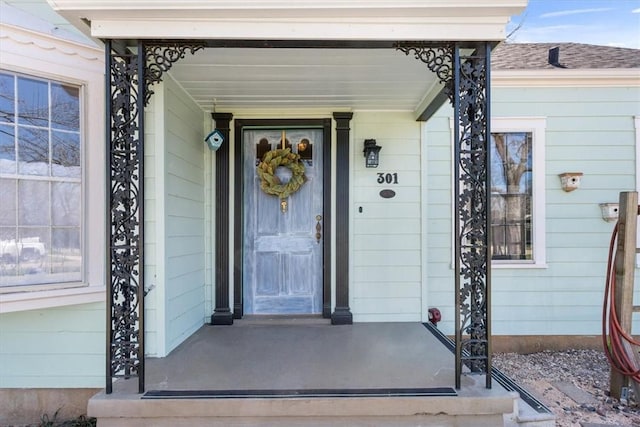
[306,20]
[300,7]
[610,77]
[354,29]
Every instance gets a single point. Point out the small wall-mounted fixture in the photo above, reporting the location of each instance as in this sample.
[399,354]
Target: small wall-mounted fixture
[609,211]
[570,180]
[371,153]
[214,140]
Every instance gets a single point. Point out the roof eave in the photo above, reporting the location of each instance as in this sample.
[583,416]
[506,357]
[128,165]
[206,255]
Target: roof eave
[607,77]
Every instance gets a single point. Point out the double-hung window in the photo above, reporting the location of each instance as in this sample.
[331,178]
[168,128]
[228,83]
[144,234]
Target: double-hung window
[517,192]
[40,181]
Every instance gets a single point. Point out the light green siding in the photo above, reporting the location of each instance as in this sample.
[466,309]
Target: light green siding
[175,218]
[53,348]
[588,130]
[154,334]
[185,215]
[386,245]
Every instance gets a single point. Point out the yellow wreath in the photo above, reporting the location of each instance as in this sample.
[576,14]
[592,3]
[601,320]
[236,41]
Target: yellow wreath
[270,183]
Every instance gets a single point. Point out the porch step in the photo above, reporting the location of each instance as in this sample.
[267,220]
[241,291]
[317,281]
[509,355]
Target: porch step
[469,408]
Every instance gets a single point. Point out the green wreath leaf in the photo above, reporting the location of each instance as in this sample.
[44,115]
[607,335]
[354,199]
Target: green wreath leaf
[270,184]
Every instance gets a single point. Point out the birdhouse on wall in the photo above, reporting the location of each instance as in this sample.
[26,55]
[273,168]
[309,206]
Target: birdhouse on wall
[214,140]
[570,180]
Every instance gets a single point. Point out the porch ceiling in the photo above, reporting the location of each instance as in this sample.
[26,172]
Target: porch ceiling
[364,79]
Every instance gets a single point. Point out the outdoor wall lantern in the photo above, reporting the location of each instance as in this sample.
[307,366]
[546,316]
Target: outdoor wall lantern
[570,180]
[371,153]
[214,140]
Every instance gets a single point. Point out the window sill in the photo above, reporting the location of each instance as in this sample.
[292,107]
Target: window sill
[515,266]
[38,298]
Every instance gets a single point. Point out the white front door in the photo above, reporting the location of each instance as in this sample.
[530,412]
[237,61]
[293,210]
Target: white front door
[283,247]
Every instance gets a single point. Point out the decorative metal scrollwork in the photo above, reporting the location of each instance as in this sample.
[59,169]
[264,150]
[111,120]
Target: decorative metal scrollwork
[125,358]
[160,57]
[129,75]
[466,84]
[472,206]
[439,60]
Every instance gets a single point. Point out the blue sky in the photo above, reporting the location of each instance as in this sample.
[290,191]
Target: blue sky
[602,22]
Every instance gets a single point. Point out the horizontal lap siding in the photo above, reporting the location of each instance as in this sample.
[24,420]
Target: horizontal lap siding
[589,130]
[184,266]
[386,246]
[153,301]
[437,223]
[58,347]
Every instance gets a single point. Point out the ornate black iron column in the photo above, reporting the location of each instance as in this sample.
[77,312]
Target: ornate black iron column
[342,314]
[129,74]
[222,314]
[125,199]
[466,80]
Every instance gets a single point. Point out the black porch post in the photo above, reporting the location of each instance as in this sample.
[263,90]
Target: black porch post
[472,138]
[129,76]
[466,81]
[125,217]
[342,314]
[222,314]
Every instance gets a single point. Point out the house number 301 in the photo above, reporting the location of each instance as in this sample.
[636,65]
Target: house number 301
[388,178]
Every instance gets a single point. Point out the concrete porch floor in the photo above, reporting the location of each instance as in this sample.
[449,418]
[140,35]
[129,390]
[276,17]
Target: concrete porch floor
[272,353]
[306,354]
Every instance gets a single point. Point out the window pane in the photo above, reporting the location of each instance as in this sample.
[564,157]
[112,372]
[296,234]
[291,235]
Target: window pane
[33,245]
[33,105]
[8,254]
[7,149]
[65,200]
[7,98]
[65,107]
[511,192]
[8,205]
[33,202]
[65,155]
[33,151]
[24,260]
[65,252]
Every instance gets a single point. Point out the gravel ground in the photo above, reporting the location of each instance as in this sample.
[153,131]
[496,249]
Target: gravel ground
[542,374]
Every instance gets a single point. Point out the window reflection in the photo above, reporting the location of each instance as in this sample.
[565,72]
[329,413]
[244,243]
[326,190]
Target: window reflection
[33,102]
[33,151]
[65,107]
[40,162]
[7,99]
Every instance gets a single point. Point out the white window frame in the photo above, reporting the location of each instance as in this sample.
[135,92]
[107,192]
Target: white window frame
[537,127]
[51,178]
[42,56]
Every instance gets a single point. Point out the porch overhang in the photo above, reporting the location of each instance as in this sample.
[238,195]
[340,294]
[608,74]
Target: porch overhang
[303,20]
[303,70]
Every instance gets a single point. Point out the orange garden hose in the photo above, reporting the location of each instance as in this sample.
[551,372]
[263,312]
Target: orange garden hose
[616,348]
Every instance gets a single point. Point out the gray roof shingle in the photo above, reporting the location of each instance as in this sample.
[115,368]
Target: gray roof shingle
[524,56]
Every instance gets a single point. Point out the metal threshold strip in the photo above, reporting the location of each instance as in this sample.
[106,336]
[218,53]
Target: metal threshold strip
[496,374]
[291,394]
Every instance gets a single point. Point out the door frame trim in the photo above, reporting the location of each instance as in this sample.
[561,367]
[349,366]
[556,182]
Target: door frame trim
[238,228]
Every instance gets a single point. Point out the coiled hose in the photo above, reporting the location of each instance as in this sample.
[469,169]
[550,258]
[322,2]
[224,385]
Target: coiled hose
[620,344]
